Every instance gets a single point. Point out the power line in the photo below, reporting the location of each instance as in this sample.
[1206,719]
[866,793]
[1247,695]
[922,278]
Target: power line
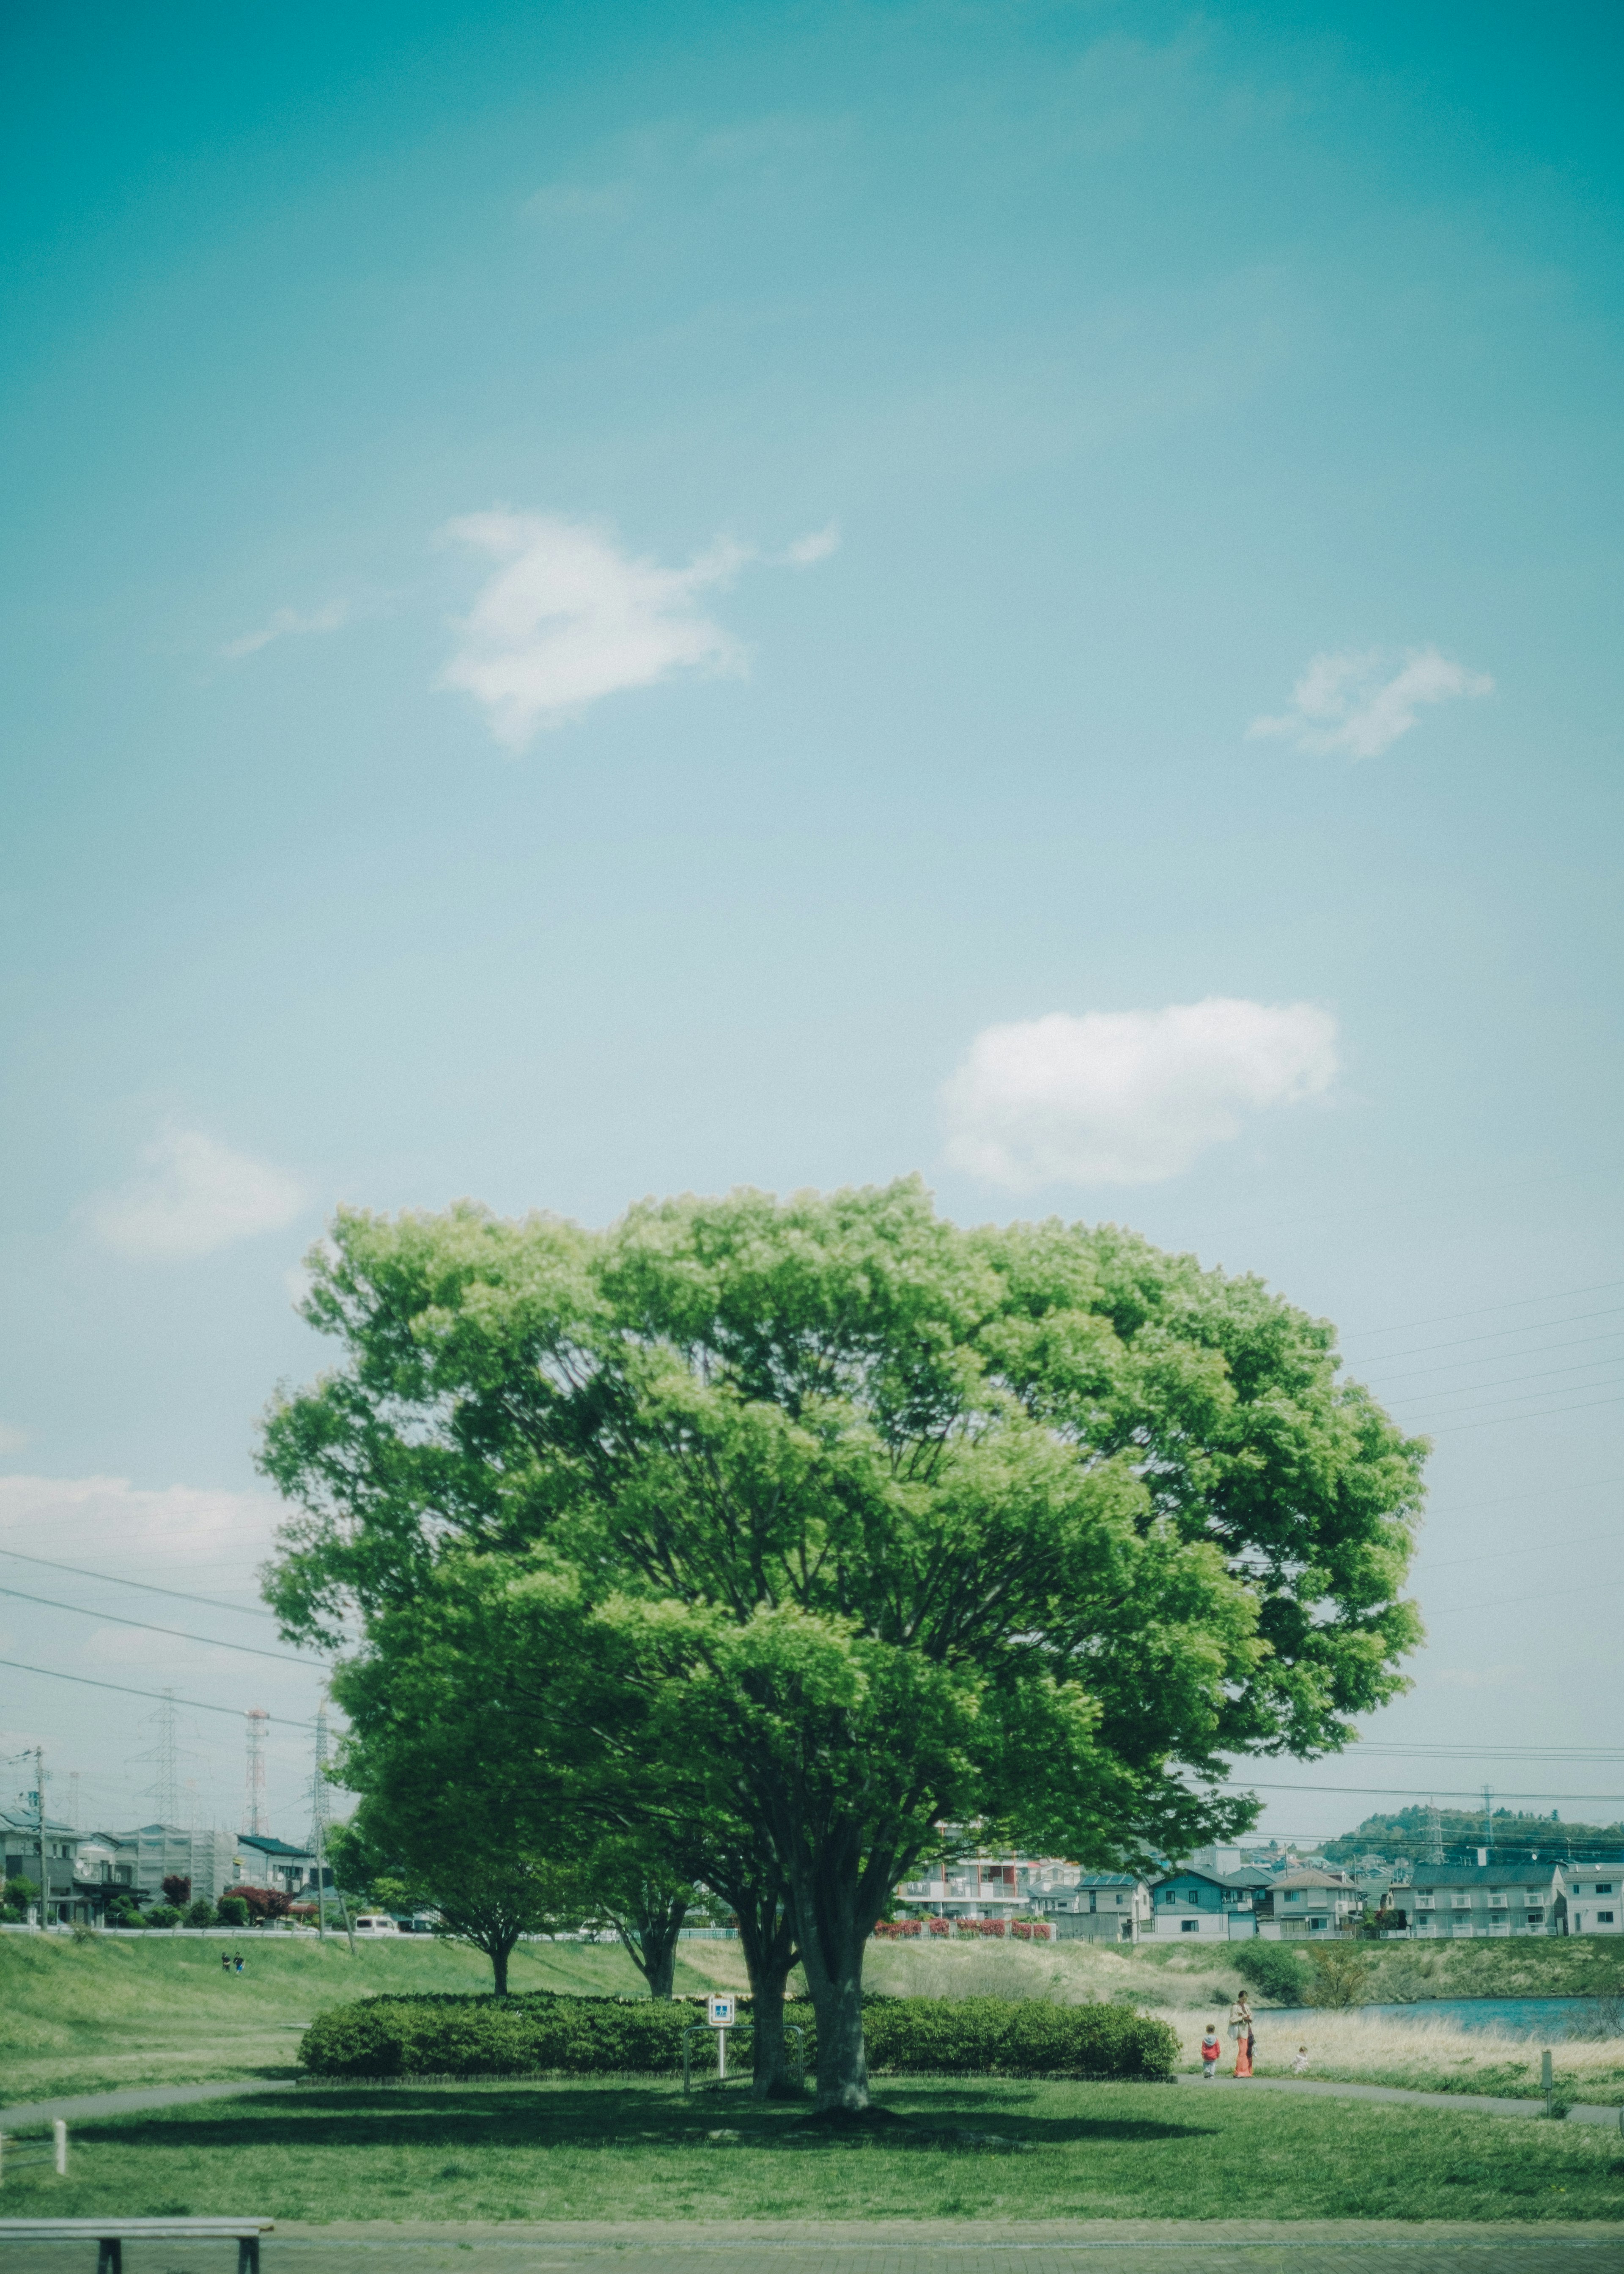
[1395,1792]
[1487,1310]
[1449,1366]
[176,1634]
[212,1602]
[124,1690]
[1516,1382]
[1544,1413]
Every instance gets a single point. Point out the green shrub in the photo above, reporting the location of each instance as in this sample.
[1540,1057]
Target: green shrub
[163,1915]
[449,2036]
[1273,1970]
[233,1911]
[200,1913]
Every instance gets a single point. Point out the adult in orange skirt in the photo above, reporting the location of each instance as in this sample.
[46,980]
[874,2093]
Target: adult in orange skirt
[1240,2029]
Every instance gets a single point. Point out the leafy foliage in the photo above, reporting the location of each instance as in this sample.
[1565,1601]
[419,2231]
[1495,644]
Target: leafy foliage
[1273,1967]
[849,1525]
[580,2036]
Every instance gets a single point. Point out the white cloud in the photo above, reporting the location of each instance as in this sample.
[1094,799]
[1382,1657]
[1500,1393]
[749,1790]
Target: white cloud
[569,617]
[219,1538]
[192,1195]
[11,1441]
[1127,1097]
[1362,703]
[330,619]
[816,546]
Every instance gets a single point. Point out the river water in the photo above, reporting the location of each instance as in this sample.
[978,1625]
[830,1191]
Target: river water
[1547,2018]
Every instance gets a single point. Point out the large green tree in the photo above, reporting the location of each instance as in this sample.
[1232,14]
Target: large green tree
[881,1525]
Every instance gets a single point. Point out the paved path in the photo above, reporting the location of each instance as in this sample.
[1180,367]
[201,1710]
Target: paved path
[1584,2113]
[84,2105]
[888,2247]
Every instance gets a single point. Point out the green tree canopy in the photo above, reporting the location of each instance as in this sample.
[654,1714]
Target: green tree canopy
[875,1526]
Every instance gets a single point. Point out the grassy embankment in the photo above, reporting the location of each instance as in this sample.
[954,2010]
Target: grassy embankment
[86,2017]
[89,2017]
[617,2150]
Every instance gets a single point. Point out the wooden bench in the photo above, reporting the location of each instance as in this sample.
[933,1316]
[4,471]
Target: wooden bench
[109,2235]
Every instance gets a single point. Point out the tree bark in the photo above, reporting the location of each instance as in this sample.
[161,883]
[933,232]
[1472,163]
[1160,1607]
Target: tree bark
[767,1936]
[649,1937]
[499,1952]
[838,1899]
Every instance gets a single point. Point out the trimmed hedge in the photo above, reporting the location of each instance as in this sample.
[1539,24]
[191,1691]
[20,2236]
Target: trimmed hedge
[458,2037]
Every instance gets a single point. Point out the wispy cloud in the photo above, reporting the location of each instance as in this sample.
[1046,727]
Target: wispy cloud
[569,617]
[581,201]
[191,1196]
[12,1439]
[816,545]
[1127,1097]
[1360,703]
[288,620]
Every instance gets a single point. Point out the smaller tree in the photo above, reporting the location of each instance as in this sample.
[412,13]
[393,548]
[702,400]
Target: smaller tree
[200,1913]
[490,1901]
[1338,1975]
[633,1886]
[178,1890]
[232,1911]
[262,1904]
[20,1892]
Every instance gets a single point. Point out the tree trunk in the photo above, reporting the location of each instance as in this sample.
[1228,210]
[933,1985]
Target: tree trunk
[649,1937]
[499,1954]
[837,1902]
[767,1936]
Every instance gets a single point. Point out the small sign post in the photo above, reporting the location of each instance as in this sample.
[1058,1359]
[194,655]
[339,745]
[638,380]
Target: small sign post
[720,2012]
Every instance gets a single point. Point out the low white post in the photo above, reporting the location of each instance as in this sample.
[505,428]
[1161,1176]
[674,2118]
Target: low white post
[60,2131]
[721,2055]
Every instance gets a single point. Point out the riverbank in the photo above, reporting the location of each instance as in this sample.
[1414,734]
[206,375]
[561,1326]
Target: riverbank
[1418,2051]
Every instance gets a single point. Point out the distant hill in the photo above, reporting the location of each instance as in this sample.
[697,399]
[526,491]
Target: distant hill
[1517,1836]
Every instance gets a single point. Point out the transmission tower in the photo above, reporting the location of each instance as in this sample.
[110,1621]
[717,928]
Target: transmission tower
[254,1818]
[163,1757]
[1434,1835]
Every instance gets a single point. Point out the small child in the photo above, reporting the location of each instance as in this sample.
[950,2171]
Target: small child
[1299,2065]
[1212,2045]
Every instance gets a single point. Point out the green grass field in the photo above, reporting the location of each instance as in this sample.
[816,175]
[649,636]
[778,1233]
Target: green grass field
[84,2017]
[613,2150]
[89,2017]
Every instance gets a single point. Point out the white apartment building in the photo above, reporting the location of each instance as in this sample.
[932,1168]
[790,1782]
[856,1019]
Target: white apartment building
[1443,1900]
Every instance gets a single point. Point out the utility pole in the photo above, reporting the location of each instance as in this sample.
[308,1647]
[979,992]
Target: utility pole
[319,1823]
[38,1779]
[1488,1825]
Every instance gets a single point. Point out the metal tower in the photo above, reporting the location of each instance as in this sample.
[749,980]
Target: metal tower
[163,1757]
[254,1818]
[1434,1835]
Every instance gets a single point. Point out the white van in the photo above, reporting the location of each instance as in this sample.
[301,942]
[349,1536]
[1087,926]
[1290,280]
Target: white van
[375,1922]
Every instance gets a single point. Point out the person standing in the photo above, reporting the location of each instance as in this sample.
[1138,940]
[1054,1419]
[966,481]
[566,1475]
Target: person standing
[1241,2030]
[1211,2047]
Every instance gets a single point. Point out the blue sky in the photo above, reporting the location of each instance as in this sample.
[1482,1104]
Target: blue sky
[605,601]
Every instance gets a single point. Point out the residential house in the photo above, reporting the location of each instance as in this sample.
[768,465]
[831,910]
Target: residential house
[1307,1902]
[1595,1897]
[1220,1907]
[1444,1900]
[1102,1906]
[278,1865]
[62,1901]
